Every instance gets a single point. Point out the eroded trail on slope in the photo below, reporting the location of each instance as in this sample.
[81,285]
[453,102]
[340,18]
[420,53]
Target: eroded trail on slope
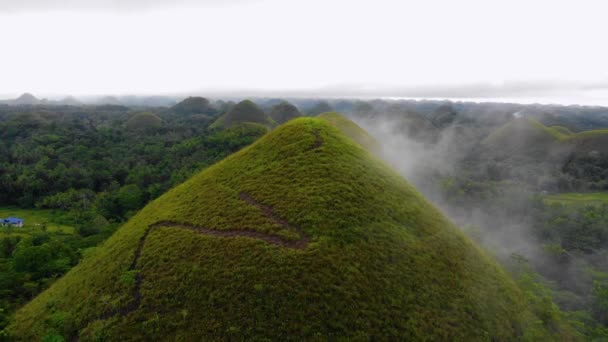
[266,210]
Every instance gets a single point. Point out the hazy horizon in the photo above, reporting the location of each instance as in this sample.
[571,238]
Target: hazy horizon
[517,51]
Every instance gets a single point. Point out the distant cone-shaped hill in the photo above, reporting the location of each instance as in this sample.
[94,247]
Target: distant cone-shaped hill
[304,235]
[144,121]
[193,105]
[244,111]
[26,99]
[284,112]
[528,137]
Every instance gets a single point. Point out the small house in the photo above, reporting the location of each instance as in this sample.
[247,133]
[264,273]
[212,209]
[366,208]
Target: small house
[12,222]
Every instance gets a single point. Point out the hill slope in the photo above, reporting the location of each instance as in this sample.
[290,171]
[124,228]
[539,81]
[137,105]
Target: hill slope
[144,121]
[284,112]
[303,235]
[351,129]
[244,111]
[525,136]
[193,105]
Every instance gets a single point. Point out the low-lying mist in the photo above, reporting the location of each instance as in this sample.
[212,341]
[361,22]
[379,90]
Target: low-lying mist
[500,218]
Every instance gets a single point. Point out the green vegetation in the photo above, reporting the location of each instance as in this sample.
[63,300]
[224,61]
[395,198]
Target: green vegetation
[144,121]
[77,159]
[85,172]
[525,131]
[319,240]
[32,257]
[351,129]
[591,134]
[244,111]
[561,130]
[49,219]
[577,198]
[524,134]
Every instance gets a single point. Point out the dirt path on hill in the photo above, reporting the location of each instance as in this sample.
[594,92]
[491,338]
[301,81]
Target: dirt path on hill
[266,210]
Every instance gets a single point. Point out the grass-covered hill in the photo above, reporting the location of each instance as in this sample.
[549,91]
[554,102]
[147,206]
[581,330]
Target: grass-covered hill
[530,137]
[304,235]
[193,105]
[283,112]
[244,111]
[144,121]
[524,136]
[351,129]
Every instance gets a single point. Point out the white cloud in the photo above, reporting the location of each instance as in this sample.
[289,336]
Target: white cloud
[111,5]
[301,45]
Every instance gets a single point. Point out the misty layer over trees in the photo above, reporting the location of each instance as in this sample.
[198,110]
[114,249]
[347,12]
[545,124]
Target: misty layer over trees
[497,170]
[494,170]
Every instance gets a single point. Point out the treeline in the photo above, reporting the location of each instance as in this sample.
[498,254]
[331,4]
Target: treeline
[110,159]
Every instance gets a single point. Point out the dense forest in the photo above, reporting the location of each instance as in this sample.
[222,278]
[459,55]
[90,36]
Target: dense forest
[490,167]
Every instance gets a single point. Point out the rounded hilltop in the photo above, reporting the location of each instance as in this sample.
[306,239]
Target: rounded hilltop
[144,121]
[244,111]
[283,112]
[529,137]
[193,105]
[304,235]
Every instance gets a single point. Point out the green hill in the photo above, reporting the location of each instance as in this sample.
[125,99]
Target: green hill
[144,121]
[284,112]
[244,111]
[530,137]
[304,235]
[561,130]
[193,105]
[351,129]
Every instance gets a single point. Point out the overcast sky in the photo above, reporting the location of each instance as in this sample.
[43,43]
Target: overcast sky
[515,49]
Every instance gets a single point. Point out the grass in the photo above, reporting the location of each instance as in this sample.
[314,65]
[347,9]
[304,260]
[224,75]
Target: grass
[35,217]
[244,111]
[380,262]
[351,129]
[578,198]
[520,129]
[561,130]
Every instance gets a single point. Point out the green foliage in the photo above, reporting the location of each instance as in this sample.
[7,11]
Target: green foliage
[34,256]
[130,197]
[577,198]
[575,228]
[79,161]
[540,301]
[379,261]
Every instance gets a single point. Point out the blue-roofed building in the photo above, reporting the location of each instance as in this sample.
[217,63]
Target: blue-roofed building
[12,221]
